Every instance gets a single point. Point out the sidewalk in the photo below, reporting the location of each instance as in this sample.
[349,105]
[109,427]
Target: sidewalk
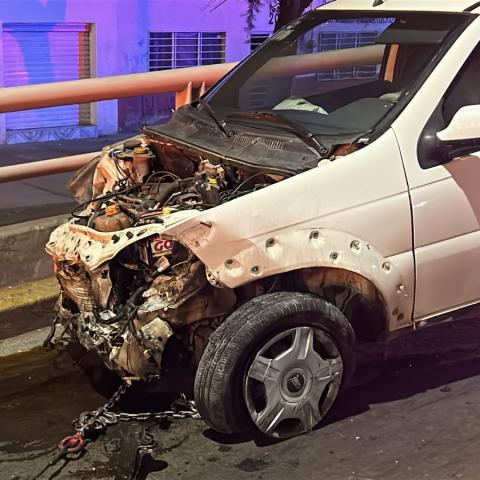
[44,196]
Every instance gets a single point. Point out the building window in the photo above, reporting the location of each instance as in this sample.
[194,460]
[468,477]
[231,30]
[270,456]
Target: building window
[169,50]
[340,40]
[44,53]
[256,39]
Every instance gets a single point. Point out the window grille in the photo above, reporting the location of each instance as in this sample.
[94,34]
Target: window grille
[169,50]
[337,41]
[256,39]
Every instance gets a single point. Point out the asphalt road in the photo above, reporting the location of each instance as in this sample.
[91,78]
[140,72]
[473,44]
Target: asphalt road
[412,415]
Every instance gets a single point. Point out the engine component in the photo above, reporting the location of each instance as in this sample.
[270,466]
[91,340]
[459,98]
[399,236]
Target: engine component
[128,163]
[211,171]
[76,285]
[142,356]
[113,220]
[142,157]
[132,143]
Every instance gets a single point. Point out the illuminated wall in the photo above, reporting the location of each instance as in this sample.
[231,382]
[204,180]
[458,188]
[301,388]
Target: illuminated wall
[119,40]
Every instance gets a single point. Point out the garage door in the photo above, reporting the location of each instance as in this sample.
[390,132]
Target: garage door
[43,53]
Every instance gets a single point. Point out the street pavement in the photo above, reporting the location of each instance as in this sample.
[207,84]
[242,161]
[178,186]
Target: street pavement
[44,196]
[414,414]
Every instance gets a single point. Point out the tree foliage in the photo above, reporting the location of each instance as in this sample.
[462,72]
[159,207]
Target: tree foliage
[289,10]
[284,11]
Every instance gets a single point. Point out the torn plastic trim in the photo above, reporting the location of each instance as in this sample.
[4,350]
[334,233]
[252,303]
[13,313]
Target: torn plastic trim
[81,183]
[79,244]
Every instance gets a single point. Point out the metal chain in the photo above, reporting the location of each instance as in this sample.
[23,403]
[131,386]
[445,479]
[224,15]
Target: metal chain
[180,409]
[98,420]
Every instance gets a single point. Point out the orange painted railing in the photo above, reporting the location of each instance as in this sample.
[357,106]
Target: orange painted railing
[185,82]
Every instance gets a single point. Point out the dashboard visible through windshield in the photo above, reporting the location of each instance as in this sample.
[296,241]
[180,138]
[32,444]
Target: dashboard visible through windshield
[334,76]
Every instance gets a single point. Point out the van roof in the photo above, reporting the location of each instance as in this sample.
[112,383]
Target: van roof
[406,5]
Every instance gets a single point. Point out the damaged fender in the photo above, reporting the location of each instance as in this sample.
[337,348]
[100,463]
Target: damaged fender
[296,249]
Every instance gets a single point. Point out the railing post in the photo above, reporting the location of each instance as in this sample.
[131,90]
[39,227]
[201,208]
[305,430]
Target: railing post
[184,97]
[189,94]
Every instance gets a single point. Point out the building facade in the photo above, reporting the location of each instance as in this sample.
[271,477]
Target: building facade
[57,40]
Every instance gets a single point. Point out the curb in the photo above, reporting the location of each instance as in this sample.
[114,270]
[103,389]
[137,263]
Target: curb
[28,294]
[27,307]
[23,257]
[31,365]
[26,342]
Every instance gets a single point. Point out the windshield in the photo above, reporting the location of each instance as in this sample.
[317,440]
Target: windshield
[334,74]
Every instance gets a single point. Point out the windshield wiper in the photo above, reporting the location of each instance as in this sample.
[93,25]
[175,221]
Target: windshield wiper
[221,123]
[306,136]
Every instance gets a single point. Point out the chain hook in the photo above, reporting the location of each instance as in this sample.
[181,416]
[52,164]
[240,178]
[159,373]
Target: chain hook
[72,443]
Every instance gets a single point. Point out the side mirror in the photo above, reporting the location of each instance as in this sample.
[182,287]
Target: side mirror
[464,127]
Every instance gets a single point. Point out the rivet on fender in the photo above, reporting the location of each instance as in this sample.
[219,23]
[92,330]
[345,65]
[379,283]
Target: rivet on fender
[255,270]
[229,263]
[270,242]
[386,267]
[334,256]
[355,245]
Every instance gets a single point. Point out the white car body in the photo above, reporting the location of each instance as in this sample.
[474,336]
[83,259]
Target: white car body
[374,219]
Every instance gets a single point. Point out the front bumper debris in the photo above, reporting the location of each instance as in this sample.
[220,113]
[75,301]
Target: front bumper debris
[112,304]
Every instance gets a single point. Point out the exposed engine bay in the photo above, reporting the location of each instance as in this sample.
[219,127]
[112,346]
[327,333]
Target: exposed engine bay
[151,303]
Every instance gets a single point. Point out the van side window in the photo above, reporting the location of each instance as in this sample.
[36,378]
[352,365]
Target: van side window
[464,90]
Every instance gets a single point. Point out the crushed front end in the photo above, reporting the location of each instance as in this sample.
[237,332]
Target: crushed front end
[130,289]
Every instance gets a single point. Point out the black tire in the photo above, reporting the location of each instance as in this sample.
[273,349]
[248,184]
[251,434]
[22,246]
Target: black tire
[221,371]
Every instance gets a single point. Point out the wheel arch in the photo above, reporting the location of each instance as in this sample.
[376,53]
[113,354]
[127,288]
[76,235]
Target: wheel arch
[323,261]
[354,295]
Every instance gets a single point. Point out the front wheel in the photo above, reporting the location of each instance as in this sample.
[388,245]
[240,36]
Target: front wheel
[277,363]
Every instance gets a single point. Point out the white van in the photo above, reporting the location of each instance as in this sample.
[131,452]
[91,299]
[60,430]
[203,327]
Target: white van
[325,192]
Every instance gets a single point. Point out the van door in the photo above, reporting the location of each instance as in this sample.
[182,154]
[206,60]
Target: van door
[445,193]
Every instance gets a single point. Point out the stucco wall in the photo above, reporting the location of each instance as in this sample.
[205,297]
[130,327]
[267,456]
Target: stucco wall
[121,32]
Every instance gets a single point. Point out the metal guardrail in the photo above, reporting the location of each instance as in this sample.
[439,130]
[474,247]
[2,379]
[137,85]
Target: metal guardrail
[13,99]
[186,82]
[41,168]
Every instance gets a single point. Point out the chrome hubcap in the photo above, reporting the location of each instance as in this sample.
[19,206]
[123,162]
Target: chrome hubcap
[292,381]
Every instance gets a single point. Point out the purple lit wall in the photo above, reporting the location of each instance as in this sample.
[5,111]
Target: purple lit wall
[119,43]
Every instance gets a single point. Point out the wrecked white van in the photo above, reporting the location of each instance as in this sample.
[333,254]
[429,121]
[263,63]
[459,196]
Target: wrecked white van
[323,193]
